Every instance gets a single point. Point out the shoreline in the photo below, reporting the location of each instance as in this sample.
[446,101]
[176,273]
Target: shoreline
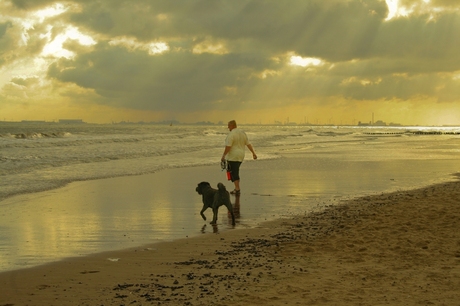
[392,248]
[90,217]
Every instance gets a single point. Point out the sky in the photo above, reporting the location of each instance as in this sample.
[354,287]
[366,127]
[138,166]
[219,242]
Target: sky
[255,61]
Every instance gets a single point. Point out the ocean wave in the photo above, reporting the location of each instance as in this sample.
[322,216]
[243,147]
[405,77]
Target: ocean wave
[31,160]
[333,134]
[35,135]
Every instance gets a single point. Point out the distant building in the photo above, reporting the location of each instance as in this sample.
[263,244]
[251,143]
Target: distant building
[71,121]
[377,123]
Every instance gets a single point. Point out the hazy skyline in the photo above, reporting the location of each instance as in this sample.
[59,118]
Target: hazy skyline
[334,61]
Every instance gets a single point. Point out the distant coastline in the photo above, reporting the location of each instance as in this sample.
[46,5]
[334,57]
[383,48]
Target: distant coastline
[377,124]
[61,121]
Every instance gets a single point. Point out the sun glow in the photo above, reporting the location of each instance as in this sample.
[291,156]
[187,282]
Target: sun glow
[158,47]
[51,11]
[152,48]
[210,47]
[392,8]
[305,61]
[396,8]
[54,47]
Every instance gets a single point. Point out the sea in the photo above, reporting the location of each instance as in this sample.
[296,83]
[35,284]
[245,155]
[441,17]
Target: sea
[297,164]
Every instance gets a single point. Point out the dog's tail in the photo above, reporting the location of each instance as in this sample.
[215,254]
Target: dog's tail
[223,193]
[221,187]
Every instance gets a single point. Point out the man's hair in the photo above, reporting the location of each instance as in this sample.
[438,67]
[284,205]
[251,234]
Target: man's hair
[232,122]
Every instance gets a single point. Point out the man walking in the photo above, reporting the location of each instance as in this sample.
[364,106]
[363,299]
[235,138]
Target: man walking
[235,146]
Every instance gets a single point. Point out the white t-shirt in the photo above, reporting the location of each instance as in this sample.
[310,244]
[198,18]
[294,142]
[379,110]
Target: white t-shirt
[238,140]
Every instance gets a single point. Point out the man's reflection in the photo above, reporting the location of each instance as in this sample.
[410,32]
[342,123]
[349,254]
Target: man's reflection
[236,208]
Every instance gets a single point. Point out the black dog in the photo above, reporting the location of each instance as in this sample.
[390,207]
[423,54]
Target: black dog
[214,198]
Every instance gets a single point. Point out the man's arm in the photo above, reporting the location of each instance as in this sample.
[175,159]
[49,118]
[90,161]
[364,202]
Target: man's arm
[226,150]
[254,156]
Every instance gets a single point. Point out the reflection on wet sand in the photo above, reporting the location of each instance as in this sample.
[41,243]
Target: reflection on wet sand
[117,213]
[215,228]
[236,208]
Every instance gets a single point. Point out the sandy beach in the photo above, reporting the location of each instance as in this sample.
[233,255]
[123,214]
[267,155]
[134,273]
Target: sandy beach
[399,248]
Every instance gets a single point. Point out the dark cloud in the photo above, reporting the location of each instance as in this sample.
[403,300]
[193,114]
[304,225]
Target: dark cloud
[25,81]
[303,87]
[4,27]
[172,81]
[416,4]
[421,39]
[365,50]
[31,4]
[365,56]
[12,45]
[334,29]
[6,41]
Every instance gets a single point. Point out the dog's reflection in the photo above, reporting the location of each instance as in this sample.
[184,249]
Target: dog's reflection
[236,212]
[215,228]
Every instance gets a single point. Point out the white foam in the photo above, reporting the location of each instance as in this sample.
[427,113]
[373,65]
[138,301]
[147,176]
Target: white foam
[45,156]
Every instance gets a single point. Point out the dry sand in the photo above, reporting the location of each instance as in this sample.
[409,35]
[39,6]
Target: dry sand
[400,248]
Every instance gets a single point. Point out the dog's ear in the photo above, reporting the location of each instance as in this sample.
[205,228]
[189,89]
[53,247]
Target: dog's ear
[201,186]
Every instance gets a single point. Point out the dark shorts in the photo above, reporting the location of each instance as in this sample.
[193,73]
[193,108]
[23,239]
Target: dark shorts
[234,167]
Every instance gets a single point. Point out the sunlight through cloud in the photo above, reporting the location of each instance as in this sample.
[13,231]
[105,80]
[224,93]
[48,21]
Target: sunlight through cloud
[157,48]
[305,61]
[395,9]
[55,10]
[153,48]
[274,56]
[401,8]
[360,81]
[54,48]
[392,8]
[208,47]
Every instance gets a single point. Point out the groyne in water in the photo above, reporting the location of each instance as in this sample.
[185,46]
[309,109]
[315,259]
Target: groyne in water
[413,133]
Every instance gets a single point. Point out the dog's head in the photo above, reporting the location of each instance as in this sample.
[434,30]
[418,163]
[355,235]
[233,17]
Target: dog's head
[201,186]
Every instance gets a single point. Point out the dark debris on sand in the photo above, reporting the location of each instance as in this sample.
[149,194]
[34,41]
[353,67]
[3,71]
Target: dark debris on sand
[234,269]
[207,281]
[251,264]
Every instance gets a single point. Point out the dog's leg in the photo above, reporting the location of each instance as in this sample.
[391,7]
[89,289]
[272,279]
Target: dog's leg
[202,211]
[230,209]
[215,209]
[225,198]
[214,217]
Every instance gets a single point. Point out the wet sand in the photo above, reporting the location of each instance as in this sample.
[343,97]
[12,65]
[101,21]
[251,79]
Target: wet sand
[398,248]
[90,217]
